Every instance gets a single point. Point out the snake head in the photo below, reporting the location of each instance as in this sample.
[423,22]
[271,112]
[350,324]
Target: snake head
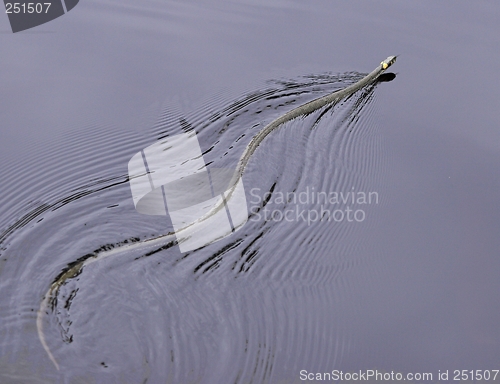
[388,62]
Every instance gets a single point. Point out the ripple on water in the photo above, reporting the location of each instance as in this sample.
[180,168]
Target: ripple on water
[232,309]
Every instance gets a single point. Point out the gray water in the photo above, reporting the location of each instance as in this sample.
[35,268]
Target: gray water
[411,288]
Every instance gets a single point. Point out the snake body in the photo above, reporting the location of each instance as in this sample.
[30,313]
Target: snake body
[75,268]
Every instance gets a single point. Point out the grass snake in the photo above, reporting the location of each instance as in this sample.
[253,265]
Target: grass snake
[76,267]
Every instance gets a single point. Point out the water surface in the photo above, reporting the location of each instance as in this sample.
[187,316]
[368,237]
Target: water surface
[411,288]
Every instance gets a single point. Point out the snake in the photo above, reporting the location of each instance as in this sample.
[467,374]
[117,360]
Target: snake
[166,240]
